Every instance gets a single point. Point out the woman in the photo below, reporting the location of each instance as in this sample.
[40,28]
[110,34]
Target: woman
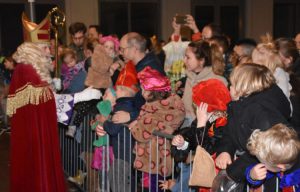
[198,62]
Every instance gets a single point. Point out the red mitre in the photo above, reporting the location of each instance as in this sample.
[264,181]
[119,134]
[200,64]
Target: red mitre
[214,93]
[36,33]
[128,77]
[152,80]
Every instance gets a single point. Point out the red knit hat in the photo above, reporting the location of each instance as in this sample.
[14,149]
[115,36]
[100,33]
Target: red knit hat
[128,77]
[214,93]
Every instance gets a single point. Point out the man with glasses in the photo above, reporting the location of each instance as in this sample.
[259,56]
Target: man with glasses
[77,31]
[133,47]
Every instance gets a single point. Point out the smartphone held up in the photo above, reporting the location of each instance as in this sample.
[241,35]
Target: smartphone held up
[181,19]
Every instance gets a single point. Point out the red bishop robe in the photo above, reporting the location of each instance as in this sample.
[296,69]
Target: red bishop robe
[35,159]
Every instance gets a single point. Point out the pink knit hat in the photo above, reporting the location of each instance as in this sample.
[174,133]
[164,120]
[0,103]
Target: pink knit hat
[152,80]
[115,40]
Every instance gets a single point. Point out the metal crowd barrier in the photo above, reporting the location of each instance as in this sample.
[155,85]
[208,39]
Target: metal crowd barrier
[77,156]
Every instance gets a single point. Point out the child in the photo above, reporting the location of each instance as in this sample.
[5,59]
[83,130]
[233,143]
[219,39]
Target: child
[161,112]
[258,103]
[111,45]
[120,137]
[211,98]
[278,150]
[69,67]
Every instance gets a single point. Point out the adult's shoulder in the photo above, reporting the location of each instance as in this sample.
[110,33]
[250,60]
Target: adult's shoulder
[25,73]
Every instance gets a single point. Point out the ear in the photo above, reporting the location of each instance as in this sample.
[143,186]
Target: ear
[290,60]
[201,62]
[282,167]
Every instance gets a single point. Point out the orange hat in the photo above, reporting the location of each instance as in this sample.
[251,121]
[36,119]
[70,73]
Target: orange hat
[36,33]
[128,77]
[214,93]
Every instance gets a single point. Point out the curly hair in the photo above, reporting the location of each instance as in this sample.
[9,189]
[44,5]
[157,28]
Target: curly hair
[277,145]
[32,54]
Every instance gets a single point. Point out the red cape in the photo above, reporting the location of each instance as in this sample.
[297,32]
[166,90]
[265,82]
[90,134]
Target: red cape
[35,163]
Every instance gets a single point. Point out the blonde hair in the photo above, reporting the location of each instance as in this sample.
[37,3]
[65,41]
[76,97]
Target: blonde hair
[266,54]
[250,78]
[32,54]
[277,145]
[66,52]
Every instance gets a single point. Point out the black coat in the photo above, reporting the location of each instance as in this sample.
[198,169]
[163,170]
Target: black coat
[194,136]
[258,111]
[152,61]
[120,136]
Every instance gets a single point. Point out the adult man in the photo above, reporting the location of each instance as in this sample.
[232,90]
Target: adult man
[242,51]
[77,31]
[35,153]
[133,47]
[94,32]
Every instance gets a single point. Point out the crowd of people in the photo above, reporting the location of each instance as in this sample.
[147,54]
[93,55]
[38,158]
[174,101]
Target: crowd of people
[240,102]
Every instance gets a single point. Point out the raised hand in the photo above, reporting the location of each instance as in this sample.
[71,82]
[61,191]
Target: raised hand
[176,27]
[190,22]
[202,114]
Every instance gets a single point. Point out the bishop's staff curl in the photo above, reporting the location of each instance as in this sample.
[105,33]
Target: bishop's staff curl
[58,20]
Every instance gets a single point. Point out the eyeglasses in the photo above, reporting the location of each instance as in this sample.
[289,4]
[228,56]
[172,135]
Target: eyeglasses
[77,38]
[122,49]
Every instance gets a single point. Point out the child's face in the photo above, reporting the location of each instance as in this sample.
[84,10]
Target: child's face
[109,48]
[146,94]
[8,64]
[123,92]
[275,168]
[69,60]
[109,96]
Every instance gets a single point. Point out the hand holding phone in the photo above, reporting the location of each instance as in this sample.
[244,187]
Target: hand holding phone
[181,19]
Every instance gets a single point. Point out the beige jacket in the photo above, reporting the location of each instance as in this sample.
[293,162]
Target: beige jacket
[164,116]
[192,80]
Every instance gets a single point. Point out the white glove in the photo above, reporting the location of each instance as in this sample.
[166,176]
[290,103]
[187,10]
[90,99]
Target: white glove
[87,94]
[57,83]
